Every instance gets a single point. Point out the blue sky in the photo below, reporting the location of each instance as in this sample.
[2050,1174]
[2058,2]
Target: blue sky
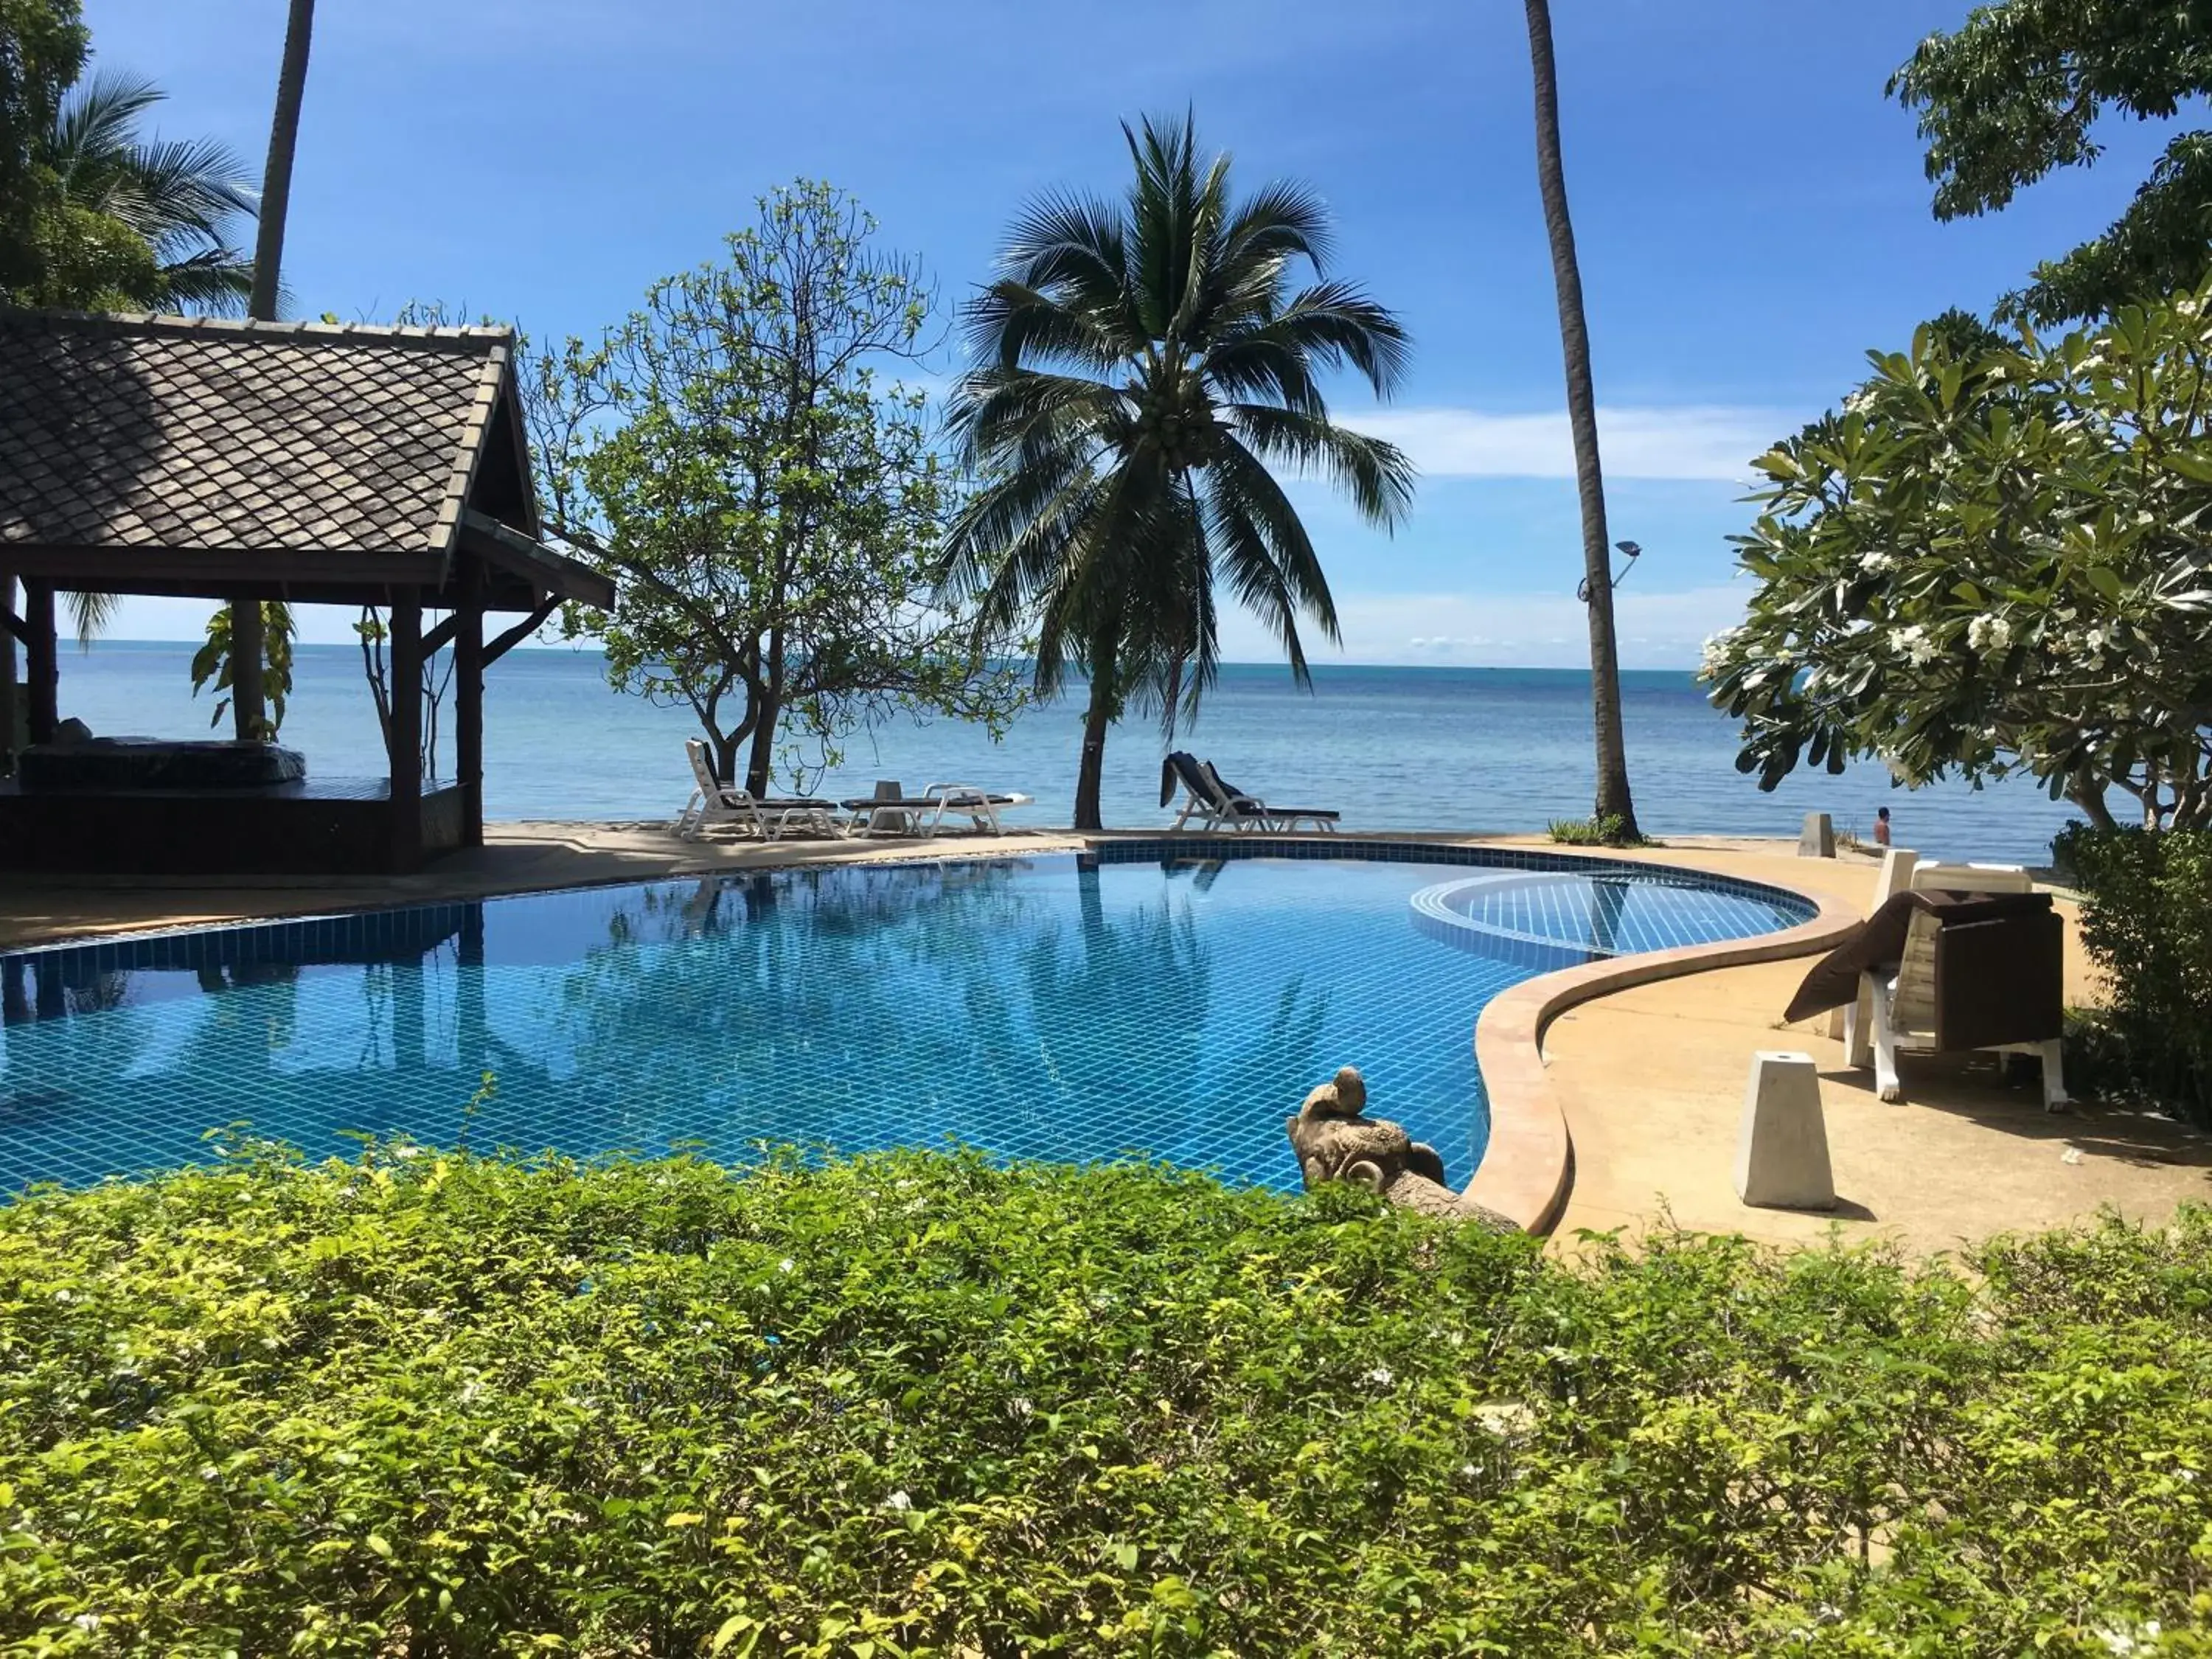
[1751,212]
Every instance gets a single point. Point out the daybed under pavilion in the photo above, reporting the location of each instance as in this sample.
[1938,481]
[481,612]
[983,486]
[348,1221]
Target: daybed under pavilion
[317,464]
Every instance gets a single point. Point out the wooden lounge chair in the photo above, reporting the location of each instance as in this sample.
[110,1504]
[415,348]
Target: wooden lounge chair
[769,817]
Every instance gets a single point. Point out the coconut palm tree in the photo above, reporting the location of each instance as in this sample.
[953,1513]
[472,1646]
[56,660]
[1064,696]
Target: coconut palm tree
[183,196]
[1139,368]
[1613,797]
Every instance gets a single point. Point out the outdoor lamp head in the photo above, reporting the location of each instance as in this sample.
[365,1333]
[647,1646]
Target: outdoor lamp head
[1628,548]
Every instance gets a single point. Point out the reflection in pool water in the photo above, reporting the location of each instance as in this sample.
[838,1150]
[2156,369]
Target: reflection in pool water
[1049,1007]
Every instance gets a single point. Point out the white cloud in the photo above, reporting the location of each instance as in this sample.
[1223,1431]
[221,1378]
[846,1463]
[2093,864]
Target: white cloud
[1694,441]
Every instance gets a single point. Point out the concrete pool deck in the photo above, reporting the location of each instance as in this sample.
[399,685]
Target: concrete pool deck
[1642,1081]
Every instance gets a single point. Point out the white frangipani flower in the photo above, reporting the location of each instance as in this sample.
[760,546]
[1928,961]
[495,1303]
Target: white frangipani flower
[1989,634]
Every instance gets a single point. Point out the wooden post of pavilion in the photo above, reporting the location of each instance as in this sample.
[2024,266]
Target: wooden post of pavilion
[405,739]
[42,659]
[468,691]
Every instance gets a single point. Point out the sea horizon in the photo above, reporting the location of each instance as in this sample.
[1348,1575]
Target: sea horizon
[1470,748]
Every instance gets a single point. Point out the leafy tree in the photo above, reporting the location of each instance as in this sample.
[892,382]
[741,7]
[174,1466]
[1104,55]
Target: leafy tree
[180,197]
[1993,560]
[770,513]
[2015,93]
[1139,367]
[54,250]
[43,44]
[1615,807]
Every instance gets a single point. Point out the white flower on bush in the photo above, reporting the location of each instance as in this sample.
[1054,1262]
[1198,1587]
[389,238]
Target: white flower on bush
[1989,634]
[1716,651]
[1877,564]
[1508,1419]
[1913,643]
[898,1501]
[1380,1377]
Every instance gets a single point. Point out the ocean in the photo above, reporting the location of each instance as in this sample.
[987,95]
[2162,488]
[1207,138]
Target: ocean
[1460,749]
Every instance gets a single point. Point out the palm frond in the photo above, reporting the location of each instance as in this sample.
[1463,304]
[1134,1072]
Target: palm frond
[1268,555]
[1283,221]
[1335,323]
[218,281]
[90,615]
[1010,324]
[1377,476]
[97,118]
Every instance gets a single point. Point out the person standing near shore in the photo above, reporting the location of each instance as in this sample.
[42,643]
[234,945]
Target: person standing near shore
[1882,827]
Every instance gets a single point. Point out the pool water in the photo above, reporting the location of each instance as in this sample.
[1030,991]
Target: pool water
[1050,1007]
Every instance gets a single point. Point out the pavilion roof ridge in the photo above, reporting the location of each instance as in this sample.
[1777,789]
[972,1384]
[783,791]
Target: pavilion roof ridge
[470,337]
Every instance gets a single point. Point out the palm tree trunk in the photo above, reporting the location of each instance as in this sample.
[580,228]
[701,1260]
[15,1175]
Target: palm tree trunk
[248,700]
[1612,798]
[1099,715]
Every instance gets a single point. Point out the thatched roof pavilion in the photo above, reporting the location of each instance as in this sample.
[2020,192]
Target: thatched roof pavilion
[318,464]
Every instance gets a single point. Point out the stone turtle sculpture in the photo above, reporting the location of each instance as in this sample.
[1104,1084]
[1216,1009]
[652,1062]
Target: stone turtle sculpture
[1335,1141]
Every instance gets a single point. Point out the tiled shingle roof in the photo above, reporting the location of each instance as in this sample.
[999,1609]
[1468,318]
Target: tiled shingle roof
[168,432]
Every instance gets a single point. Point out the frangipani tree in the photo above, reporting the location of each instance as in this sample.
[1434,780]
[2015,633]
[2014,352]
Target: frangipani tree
[1995,559]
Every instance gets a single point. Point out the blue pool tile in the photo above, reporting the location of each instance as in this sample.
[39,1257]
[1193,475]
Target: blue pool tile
[1171,998]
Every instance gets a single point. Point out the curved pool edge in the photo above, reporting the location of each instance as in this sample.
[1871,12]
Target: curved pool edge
[1526,1171]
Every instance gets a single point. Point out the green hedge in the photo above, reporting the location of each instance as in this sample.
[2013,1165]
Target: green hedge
[917,1404]
[2147,920]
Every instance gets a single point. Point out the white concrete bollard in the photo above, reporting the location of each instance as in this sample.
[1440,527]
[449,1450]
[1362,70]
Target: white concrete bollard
[1898,865]
[1782,1145]
[1817,840]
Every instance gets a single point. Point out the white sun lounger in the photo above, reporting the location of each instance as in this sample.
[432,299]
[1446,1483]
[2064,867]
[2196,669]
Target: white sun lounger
[1215,805]
[714,802]
[981,807]
[891,811]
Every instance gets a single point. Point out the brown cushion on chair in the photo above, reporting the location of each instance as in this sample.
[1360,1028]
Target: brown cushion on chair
[1879,942]
[2001,980]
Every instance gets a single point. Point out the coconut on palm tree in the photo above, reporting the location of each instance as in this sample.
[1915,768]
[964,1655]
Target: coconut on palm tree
[1142,370]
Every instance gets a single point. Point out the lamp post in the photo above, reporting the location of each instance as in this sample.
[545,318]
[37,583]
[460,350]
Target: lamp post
[1632,551]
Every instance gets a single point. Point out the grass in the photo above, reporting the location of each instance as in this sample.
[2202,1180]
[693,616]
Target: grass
[919,1404]
[1608,831]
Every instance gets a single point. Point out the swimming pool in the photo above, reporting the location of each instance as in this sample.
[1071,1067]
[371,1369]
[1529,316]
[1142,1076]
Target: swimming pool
[1150,998]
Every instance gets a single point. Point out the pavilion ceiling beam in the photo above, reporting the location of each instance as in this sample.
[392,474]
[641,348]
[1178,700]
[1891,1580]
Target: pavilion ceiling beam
[270,572]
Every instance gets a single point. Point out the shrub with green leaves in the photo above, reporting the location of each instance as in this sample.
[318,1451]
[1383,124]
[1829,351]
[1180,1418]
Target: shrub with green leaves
[2147,920]
[919,1404]
[1611,830]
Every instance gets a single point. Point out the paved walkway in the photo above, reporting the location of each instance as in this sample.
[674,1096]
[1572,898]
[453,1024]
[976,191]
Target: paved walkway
[1651,1081]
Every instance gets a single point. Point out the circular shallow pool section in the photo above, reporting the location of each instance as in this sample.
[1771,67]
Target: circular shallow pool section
[1137,1002]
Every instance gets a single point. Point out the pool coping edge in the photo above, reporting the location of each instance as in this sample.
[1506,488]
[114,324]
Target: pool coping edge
[1526,1171]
